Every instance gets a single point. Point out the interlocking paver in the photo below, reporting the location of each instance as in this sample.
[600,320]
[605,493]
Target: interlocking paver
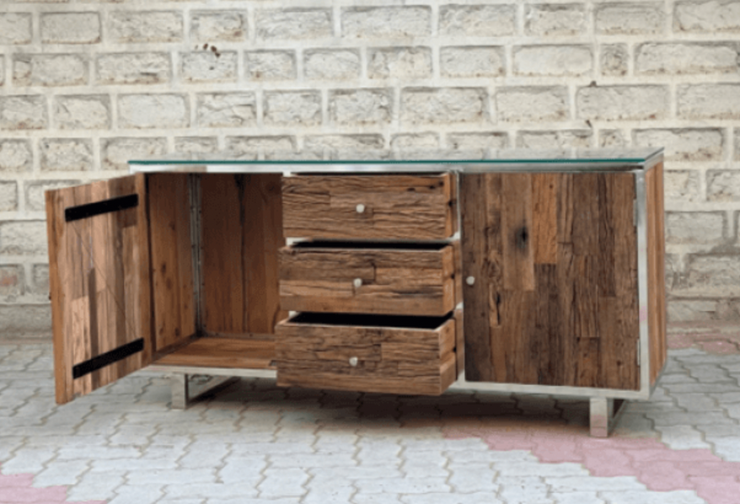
[283,482]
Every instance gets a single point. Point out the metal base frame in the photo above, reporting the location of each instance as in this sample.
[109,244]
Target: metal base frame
[187,389]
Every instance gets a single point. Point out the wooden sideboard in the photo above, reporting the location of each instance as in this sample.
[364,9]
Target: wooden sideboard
[534,274]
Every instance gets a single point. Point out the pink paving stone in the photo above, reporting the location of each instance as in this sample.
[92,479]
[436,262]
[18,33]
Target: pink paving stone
[662,476]
[719,347]
[15,480]
[18,489]
[608,462]
[717,490]
[666,455]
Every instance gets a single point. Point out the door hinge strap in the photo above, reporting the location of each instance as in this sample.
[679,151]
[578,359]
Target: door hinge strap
[115,355]
[101,207]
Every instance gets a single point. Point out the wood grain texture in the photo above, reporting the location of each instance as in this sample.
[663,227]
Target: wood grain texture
[395,206]
[393,281]
[656,270]
[232,353]
[554,263]
[242,233]
[390,360]
[99,277]
[172,259]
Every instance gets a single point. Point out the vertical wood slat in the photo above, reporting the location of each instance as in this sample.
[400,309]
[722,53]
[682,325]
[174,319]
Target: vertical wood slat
[656,271]
[554,313]
[242,227]
[91,266]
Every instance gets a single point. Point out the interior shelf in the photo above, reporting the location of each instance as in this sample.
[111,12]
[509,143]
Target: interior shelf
[224,353]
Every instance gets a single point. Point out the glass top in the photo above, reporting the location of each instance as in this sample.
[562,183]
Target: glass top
[480,157]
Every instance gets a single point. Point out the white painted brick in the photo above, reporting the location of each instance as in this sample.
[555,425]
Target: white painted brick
[270,65]
[555,19]
[524,104]
[709,101]
[577,139]
[70,28]
[15,28]
[477,20]
[553,60]
[713,273]
[695,227]
[723,185]
[2,70]
[40,276]
[471,61]
[11,275]
[23,112]
[116,152]
[49,69]
[686,58]
[614,59]
[339,64]
[691,310]
[361,106]
[82,112]
[260,143]
[682,185]
[300,108]
[215,110]
[403,63]
[134,68]
[145,26]
[23,238]
[630,18]
[611,103]
[415,141]
[386,22]
[612,139]
[143,111]
[8,203]
[474,140]
[737,144]
[66,154]
[708,16]
[34,192]
[443,105]
[15,156]
[211,26]
[684,144]
[196,144]
[345,142]
[19,320]
[206,66]
[292,24]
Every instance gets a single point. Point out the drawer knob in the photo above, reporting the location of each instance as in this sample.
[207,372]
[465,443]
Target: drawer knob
[360,208]
[470,280]
[358,283]
[353,361]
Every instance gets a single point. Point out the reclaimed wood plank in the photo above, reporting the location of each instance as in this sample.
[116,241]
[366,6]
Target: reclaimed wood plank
[223,353]
[656,271]
[516,230]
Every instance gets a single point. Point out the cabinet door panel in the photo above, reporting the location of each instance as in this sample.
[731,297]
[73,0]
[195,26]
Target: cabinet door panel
[551,269]
[99,282]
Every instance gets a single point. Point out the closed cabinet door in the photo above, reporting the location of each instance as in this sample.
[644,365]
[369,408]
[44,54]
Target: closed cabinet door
[550,279]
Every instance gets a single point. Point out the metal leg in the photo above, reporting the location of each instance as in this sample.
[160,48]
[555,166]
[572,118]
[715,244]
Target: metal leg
[603,415]
[187,389]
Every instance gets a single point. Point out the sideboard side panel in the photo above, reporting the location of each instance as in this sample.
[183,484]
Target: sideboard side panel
[656,271]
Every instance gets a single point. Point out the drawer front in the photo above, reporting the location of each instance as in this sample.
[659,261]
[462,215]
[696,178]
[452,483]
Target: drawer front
[359,280]
[365,358]
[369,207]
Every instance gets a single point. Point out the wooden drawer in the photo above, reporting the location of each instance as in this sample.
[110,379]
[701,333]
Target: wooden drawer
[392,279]
[370,207]
[401,355]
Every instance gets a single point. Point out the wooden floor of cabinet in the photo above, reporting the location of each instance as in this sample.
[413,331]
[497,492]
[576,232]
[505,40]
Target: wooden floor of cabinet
[231,353]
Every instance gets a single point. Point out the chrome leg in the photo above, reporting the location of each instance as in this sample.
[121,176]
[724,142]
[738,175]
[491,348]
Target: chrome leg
[187,389]
[603,414]
[179,388]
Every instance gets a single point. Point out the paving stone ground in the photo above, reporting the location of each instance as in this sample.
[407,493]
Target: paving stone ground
[254,443]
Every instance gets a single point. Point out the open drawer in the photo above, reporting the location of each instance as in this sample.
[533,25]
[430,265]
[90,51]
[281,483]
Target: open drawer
[367,353]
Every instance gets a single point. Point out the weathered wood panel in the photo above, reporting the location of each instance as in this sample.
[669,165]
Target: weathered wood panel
[231,353]
[393,206]
[172,259]
[401,360]
[242,233]
[552,291]
[393,281]
[656,271]
[99,276]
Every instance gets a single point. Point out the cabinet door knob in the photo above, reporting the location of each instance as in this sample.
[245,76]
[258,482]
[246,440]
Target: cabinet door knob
[360,208]
[353,361]
[470,280]
[358,283]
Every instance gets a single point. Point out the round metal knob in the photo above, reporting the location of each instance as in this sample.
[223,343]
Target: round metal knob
[360,208]
[353,361]
[358,283]
[470,280]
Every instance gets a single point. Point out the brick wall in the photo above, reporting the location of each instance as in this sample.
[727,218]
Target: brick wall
[86,85]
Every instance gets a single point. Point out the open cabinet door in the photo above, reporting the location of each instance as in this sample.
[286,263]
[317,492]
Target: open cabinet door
[100,283]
